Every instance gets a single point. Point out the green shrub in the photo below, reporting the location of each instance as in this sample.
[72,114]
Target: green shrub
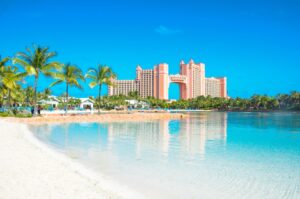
[5,114]
[12,114]
[23,115]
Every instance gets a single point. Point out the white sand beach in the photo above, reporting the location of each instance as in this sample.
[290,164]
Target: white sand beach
[58,118]
[28,169]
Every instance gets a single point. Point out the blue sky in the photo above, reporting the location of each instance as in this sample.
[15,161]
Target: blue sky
[256,44]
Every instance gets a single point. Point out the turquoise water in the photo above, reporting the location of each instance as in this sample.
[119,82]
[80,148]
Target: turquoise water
[208,155]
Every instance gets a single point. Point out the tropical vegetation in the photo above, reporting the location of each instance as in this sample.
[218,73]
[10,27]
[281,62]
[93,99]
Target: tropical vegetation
[36,61]
[255,103]
[18,95]
[71,76]
[102,75]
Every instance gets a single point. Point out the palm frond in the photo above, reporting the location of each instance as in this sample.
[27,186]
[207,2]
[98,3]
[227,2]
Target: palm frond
[93,84]
[55,83]
[52,65]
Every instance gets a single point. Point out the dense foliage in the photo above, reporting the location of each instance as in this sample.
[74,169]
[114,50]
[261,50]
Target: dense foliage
[255,103]
[37,61]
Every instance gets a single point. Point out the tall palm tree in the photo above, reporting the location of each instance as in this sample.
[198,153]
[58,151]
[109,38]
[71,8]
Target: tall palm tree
[11,79]
[36,61]
[70,75]
[102,75]
[29,92]
[20,96]
[3,70]
[3,92]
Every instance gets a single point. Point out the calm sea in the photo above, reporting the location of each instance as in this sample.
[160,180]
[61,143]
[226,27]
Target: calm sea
[208,155]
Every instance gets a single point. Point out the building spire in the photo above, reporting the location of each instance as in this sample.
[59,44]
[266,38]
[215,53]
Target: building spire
[192,61]
[181,62]
[138,67]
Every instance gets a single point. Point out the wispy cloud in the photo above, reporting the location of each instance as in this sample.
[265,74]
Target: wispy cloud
[163,30]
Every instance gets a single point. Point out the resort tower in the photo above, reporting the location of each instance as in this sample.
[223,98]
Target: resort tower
[155,82]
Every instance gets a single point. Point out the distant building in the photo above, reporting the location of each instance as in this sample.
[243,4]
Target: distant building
[216,87]
[52,101]
[137,104]
[86,103]
[155,82]
[123,87]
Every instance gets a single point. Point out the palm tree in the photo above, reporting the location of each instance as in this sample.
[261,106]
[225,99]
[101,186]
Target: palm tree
[9,78]
[3,92]
[70,75]
[295,98]
[133,94]
[256,101]
[46,93]
[283,100]
[3,63]
[29,92]
[36,61]
[19,96]
[102,75]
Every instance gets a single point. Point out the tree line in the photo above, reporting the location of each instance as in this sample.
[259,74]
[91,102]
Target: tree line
[289,101]
[36,61]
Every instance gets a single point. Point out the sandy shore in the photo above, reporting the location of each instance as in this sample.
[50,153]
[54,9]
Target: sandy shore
[97,118]
[29,169]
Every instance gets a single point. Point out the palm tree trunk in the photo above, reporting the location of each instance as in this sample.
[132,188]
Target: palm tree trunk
[35,94]
[8,99]
[1,97]
[99,97]
[67,97]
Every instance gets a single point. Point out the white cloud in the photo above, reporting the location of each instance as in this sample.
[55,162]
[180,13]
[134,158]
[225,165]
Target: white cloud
[166,31]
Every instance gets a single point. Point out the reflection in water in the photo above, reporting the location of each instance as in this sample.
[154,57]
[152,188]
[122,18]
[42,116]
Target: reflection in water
[242,155]
[189,134]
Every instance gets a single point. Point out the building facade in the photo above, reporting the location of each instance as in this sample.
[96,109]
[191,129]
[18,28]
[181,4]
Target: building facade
[123,87]
[155,82]
[216,87]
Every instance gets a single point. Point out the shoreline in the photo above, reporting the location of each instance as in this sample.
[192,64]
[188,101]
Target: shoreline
[46,173]
[107,117]
[34,170]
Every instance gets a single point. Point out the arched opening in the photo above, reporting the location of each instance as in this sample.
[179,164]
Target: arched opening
[174,91]
[181,92]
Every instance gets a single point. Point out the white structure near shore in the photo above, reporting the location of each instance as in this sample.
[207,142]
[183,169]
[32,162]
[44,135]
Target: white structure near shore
[137,104]
[86,103]
[53,101]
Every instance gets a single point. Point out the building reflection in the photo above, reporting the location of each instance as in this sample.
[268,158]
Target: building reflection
[190,136]
[196,132]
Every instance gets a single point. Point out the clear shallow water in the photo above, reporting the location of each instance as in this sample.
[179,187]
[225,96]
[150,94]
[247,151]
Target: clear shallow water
[209,155]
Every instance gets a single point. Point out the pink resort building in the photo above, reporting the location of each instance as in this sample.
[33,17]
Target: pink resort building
[155,82]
